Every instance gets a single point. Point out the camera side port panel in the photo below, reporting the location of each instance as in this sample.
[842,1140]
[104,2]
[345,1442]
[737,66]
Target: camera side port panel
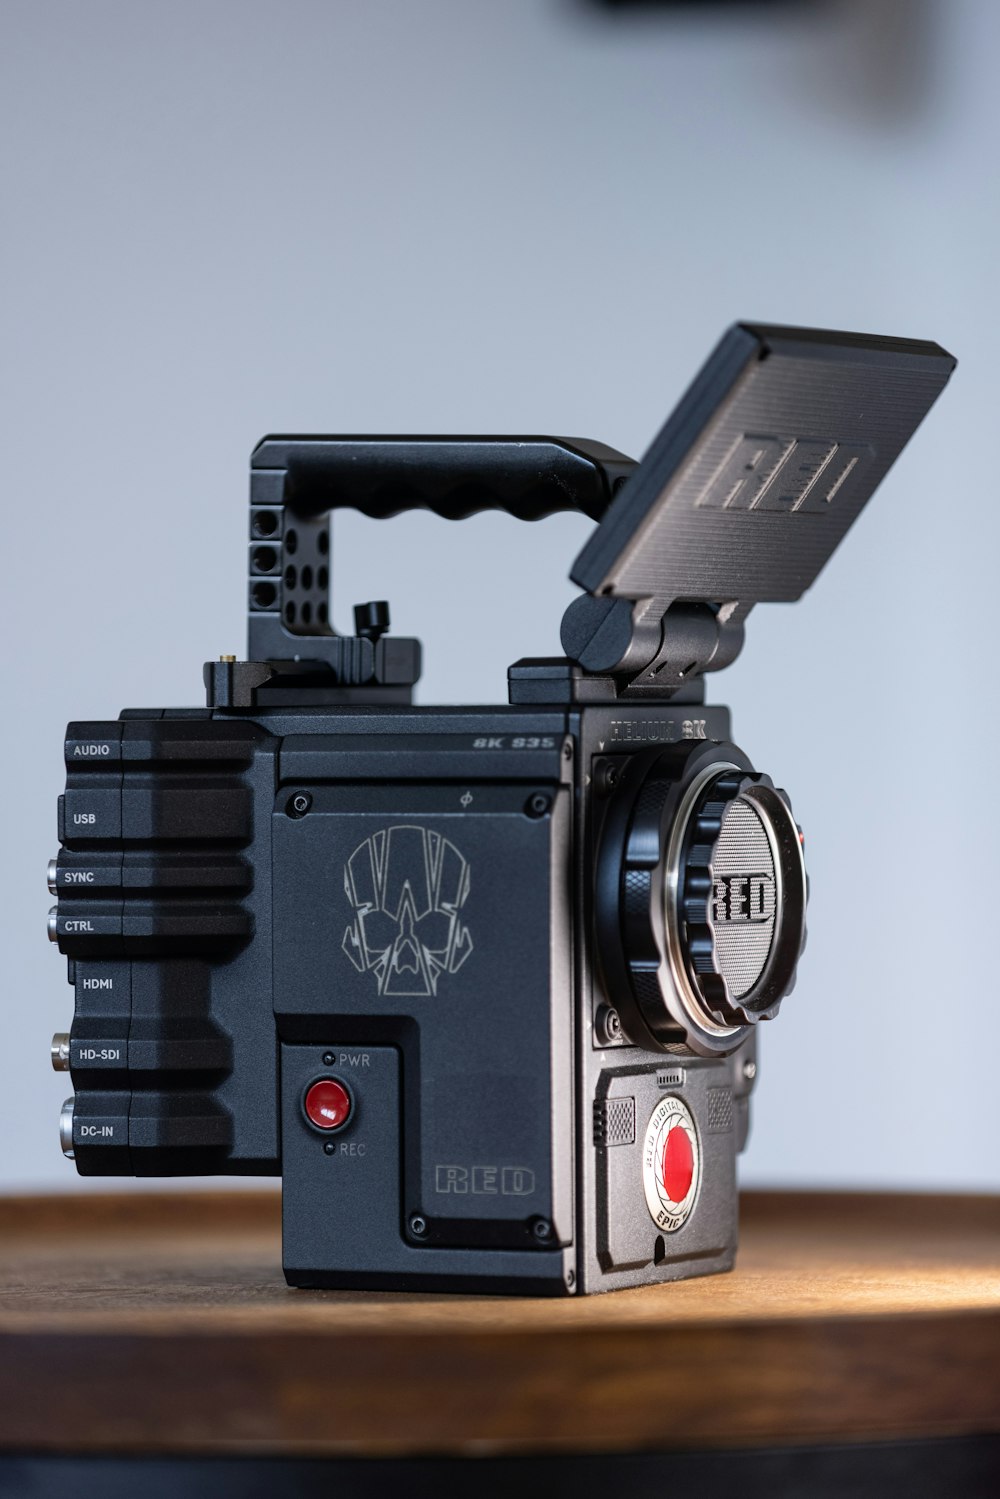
[345,1221]
[430,917]
[404,917]
[664,1143]
[163,910]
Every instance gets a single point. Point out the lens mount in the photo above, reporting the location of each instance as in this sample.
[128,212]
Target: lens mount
[700,898]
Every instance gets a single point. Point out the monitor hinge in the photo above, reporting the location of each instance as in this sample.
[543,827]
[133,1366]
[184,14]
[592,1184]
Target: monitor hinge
[649,652]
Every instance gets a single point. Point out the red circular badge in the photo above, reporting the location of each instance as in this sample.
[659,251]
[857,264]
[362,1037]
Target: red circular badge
[671,1164]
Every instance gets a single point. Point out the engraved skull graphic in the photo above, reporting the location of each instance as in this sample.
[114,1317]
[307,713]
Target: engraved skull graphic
[407,886]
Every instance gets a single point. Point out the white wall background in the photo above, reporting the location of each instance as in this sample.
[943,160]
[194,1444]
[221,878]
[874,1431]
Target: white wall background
[222,217]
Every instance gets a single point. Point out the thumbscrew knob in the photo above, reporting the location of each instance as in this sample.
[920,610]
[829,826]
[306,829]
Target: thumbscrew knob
[371,621]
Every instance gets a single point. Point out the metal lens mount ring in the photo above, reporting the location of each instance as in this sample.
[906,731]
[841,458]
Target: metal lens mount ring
[735,897]
[700,898]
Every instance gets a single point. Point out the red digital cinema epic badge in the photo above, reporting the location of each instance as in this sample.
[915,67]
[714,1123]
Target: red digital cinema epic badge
[671,1165]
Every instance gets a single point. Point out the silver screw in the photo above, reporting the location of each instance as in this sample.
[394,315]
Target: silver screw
[749,1071]
[609,1025]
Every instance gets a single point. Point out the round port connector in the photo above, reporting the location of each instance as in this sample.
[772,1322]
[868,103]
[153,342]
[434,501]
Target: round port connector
[52,925]
[60,1052]
[66,1129]
[263,595]
[608,1026]
[265,522]
[50,876]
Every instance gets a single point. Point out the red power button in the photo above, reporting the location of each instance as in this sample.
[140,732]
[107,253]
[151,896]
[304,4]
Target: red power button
[327,1103]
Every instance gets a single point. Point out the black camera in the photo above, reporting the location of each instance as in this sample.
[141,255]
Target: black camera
[482,984]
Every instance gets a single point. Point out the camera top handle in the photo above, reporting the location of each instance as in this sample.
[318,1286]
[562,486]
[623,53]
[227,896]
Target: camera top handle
[529,477]
[295,485]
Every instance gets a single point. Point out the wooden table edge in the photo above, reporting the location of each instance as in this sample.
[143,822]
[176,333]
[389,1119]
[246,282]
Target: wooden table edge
[738,1384]
[242,1383]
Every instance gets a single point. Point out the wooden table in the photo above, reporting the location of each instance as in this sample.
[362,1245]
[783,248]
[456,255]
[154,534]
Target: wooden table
[159,1322]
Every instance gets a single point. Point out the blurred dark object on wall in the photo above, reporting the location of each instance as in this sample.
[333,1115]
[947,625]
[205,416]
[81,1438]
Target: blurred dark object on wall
[866,60]
[708,5]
